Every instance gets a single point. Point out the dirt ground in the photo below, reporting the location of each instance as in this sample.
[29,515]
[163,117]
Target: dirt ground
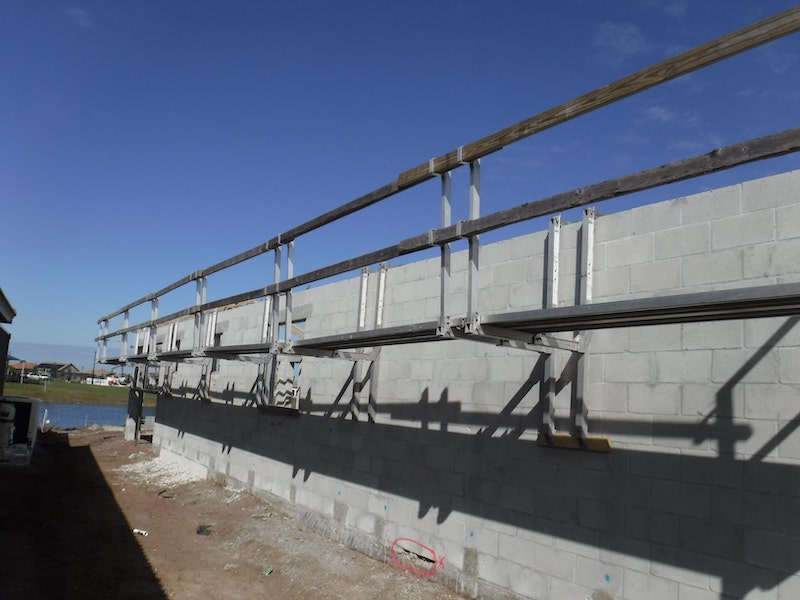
[67,531]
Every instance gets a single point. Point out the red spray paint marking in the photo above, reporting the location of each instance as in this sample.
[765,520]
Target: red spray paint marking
[420,550]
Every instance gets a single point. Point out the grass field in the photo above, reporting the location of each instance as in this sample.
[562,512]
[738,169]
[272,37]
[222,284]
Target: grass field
[74,393]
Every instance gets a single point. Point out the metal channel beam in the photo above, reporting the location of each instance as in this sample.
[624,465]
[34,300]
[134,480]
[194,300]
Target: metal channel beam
[740,303]
[403,334]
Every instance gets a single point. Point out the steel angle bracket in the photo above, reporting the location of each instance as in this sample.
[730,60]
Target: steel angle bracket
[353,355]
[445,328]
[501,337]
[577,345]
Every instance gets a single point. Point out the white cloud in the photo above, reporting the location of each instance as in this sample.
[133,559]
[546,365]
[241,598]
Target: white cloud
[78,16]
[662,114]
[780,63]
[619,41]
[673,8]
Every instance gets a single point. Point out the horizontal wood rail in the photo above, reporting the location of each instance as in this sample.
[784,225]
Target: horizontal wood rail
[744,39]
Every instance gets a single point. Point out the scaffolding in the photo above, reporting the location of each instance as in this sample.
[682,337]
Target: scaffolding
[542,330]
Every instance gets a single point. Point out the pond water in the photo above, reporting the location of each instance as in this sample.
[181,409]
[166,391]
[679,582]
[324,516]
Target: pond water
[69,416]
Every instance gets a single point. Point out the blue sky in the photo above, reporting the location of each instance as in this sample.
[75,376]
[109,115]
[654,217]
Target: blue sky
[141,141]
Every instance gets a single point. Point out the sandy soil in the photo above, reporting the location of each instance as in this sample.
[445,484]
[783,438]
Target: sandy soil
[70,519]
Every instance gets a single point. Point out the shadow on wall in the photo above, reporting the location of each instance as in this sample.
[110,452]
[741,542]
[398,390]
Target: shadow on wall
[729,518]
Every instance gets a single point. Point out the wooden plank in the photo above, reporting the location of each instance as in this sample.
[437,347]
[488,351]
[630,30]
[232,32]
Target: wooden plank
[769,146]
[569,442]
[724,158]
[724,47]
[704,55]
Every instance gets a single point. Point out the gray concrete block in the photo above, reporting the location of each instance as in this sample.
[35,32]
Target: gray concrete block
[629,368]
[789,588]
[567,589]
[683,241]
[684,367]
[656,217]
[743,230]
[690,592]
[494,570]
[715,267]
[688,499]
[788,222]
[711,205]
[772,401]
[599,576]
[771,550]
[612,227]
[655,338]
[654,399]
[714,334]
[643,585]
[611,283]
[630,251]
[771,260]
[744,366]
[528,582]
[769,192]
[654,276]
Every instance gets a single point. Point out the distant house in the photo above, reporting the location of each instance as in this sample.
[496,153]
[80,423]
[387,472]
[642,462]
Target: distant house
[15,370]
[62,371]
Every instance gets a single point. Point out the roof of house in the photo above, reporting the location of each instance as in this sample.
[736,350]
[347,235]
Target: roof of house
[57,366]
[7,312]
[20,365]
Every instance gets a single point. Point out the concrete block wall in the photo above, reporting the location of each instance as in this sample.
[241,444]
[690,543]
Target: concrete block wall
[699,497]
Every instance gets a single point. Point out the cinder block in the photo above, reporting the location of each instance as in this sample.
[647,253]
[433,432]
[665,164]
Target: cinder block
[744,366]
[612,227]
[743,230]
[608,341]
[711,537]
[688,499]
[652,464]
[528,582]
[769,192]
[771,260]
[611,283]
[713,334]
[702,400]
[789,588]
[790,447]
[528,246]
[494,570]
[715,267]
[599,576]
[788,361]
[711,205]
[771,550]
[512,369]
[659,275]
[690,592]
[655,217]
[630,251]
[788,220]
[628,367]
[600,515]
[771,401]
[655,338]
[642,585]
[683,241]
[684,367]
[566,589]
[654,399]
